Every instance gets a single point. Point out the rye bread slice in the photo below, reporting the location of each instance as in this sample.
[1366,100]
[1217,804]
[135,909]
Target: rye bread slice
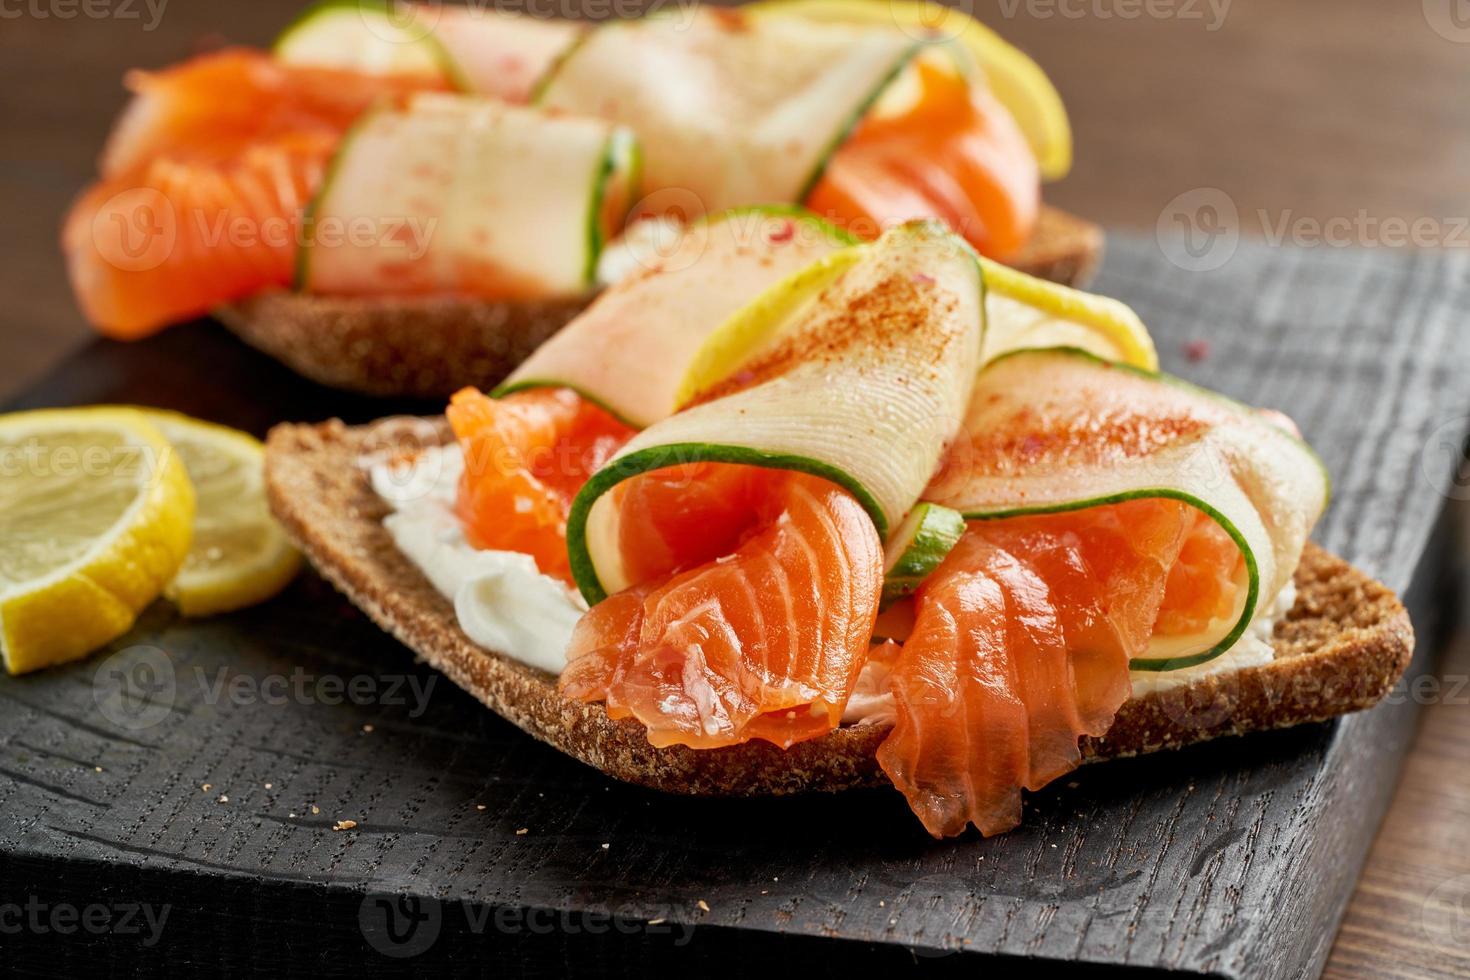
[429,347]
[419,347]
[1340,649]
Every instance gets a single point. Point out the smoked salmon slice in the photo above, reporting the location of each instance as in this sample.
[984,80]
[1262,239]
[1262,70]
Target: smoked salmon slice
[215,105]
[205,186]
[1020,645]
[764,641]
[526,456]
[955,155]
[181,236]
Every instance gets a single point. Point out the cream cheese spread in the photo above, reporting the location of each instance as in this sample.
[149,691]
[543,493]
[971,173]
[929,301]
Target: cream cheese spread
[501,599]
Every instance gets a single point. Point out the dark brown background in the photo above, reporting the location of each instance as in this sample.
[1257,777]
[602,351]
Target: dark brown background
[1352,110]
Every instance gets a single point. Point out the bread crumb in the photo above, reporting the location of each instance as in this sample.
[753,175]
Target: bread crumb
[205,788]
[657,922]
[97,768]
[291,816]
[270,785]
[344,825]
[703,905]
[223,799]
[523,831]
[606,845]
[367,729]
[479,806]
[315,808]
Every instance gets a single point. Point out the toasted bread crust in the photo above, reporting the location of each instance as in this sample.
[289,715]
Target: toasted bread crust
[430,347]
[420,347]
[1064,248]
[1340,649]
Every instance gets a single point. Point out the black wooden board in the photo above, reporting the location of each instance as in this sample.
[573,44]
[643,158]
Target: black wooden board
[1234,858]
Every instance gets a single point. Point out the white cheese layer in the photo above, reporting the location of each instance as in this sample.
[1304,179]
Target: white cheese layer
[501,599]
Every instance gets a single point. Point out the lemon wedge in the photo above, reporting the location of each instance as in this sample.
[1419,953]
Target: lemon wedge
[757,323]
[240,556]
[96,513]
[1023,311]
[1016,80]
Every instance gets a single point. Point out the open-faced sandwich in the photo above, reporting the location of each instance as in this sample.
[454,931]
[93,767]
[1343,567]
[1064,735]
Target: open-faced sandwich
[406,199]
[783,512]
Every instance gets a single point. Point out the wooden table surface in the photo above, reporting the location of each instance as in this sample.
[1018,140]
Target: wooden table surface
[1323,124]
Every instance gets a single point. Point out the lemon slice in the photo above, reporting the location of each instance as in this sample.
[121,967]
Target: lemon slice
[758,322]
[240,556]
[96,513]
[1024,312]
[1016,80]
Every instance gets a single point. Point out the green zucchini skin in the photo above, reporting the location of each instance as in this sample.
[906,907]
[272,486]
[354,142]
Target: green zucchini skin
[362,8]
[906,394]
[936,531]
[1165,492]
[559,364]
[302,280]
[584,573]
